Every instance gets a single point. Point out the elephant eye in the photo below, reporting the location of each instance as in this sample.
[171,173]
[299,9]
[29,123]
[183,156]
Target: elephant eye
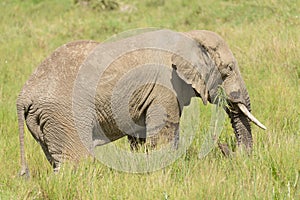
[226,71]
[230,67]
[224,76]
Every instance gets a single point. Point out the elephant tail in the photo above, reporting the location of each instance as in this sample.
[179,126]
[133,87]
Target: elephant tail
[21,115]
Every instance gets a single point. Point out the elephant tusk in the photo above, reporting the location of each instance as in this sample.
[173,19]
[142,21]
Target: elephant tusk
[250,116]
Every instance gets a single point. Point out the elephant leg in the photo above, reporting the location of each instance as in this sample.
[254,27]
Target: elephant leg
[226,151]
[162,122]
[135,142]
[137,138]
[36,131]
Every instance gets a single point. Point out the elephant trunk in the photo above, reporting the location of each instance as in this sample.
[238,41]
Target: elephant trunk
[240,115]
[241,126]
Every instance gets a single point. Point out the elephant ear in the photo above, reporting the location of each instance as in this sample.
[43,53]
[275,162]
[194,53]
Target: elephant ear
[195,69]
[214,45]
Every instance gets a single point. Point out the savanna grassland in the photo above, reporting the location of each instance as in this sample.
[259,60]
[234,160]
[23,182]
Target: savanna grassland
[264,37]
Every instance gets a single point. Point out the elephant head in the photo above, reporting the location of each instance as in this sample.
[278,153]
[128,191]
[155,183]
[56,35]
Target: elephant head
[214,65]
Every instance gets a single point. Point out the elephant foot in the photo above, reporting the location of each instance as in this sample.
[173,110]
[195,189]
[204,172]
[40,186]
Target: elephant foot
[135,143]
[225,149]
[227,152]
[56,167]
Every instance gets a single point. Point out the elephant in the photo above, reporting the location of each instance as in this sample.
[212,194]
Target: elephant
[87,93]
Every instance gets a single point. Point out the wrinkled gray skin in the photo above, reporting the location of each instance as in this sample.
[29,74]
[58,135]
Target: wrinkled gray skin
[48,106]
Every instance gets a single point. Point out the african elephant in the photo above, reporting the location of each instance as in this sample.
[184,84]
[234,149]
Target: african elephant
[87,94]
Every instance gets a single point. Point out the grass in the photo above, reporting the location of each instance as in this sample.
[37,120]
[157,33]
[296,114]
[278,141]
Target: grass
[264,37]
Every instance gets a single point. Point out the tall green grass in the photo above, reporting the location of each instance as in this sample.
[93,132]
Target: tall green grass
[264,37]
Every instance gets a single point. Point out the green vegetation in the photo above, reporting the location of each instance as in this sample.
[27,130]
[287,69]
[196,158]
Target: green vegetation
[264,37]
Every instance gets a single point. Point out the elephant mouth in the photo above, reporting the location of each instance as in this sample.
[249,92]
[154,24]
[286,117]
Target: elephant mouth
[237,106]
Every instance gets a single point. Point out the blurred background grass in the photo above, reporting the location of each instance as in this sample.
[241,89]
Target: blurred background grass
[264,37]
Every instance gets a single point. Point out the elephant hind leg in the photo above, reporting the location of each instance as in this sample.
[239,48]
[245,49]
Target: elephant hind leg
[34,127]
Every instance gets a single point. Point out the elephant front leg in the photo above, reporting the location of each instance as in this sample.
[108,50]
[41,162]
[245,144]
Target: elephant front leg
[135,142]
[162,125]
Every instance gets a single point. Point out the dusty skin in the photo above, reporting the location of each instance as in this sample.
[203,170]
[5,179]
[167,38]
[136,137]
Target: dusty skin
[76,99]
